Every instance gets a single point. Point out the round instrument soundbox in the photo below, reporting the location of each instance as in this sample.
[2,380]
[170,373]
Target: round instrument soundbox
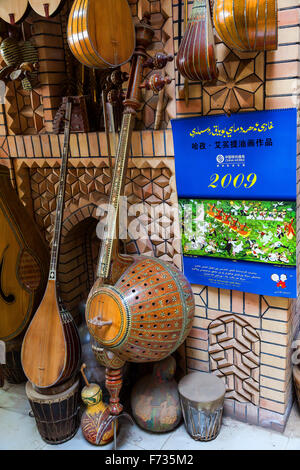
[101,33]
[247,25]
[13,11]
[146,315]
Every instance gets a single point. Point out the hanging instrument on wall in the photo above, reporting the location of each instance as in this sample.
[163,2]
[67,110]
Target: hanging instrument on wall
[24,261]
[196,59]
[51,346]
[46,8]
[139,308]
[247,25]
[186,81]
[101,33]
[13,11]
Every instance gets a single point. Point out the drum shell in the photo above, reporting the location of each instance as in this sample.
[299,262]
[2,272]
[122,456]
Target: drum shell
[156,311]
[57,416]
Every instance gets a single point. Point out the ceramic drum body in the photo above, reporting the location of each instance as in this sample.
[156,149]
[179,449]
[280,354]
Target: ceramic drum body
[150,308]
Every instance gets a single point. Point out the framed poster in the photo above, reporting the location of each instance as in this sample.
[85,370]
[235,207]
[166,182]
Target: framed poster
[236,183]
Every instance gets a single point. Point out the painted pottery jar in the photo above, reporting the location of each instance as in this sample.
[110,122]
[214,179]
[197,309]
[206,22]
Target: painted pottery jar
[155,401]
[95,417]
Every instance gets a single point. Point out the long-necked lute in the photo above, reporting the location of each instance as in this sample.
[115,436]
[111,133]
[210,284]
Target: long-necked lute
[101,32]
[196,59]
[24,262]
[51,347]
[247,25]
[139,308]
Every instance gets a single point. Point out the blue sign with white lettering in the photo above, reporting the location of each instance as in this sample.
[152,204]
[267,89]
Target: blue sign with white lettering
[236,183]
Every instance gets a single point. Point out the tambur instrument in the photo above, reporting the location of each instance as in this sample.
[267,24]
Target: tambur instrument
[24,262]
[101,32]
[51,346]
[141,309]
[247,25]
[196,54]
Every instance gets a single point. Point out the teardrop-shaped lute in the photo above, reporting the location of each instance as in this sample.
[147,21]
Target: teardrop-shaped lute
[101,33]
[196,55]
[51,347]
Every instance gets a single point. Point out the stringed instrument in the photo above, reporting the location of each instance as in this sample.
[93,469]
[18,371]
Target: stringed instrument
[247,25]
[139,308]
[24,261]
[46,8]
[196,59]
[13,11]
[101,33]
[51,347]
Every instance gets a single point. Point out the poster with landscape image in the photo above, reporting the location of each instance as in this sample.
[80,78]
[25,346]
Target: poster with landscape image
[248,230]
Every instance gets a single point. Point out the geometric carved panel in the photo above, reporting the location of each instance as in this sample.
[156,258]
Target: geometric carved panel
[149,196]
[240,84]
[234,353]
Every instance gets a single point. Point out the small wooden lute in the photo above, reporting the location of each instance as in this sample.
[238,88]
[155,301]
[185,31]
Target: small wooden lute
[12,11]
[196,54]
[51,346]
[101,32]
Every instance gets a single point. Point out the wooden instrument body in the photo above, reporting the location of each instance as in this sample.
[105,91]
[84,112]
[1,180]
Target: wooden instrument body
[45,7]
[100,33]
[247,25]
[196,55]
[51,346]
[13,11]
[151,308]
[24,262]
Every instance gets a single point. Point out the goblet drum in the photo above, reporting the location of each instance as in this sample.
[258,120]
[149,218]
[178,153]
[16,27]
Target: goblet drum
[146,315]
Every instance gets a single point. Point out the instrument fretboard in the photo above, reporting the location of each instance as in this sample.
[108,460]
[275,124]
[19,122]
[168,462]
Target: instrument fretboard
[60,195]
[117,184]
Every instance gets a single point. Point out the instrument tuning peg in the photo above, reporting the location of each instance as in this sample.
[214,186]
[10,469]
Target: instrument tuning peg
[117,77]
[156,83]
[146,18]
[159,61]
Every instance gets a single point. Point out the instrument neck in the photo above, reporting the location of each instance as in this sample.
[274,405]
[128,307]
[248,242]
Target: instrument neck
[132,103]
[60,199]
[110,242]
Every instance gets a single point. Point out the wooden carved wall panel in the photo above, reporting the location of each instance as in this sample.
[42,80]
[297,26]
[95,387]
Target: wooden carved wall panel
[84,184]
[78,256]
[234,351]
[240,85]
[150,191]
[24,110]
